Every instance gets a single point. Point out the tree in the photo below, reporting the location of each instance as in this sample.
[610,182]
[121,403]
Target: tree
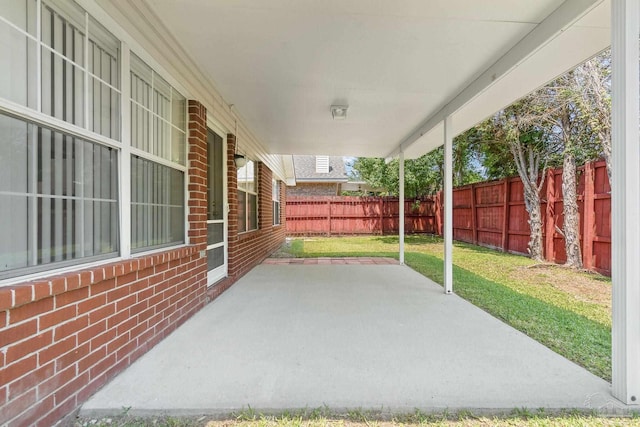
[515,127]
[593,80]
[424,175]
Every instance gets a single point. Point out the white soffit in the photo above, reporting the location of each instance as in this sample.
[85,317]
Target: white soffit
[283,63]
[589,36]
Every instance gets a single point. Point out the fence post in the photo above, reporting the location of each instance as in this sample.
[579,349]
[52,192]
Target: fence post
[506,213]
[329,217]
[474,218]
[438,209]
[550,224]
[381,216]
[588,207]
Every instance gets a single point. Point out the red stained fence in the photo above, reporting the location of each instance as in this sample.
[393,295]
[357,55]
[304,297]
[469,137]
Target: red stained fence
[336,215]
[490,214]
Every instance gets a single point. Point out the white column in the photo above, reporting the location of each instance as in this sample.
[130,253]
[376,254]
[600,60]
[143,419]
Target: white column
[401,207]
[625,202]
[448,206]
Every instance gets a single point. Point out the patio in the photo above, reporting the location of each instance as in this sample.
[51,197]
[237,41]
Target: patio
[357,335]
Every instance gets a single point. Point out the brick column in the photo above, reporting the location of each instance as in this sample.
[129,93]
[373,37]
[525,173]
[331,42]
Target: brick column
[232,197]
[197,174]
[265,197]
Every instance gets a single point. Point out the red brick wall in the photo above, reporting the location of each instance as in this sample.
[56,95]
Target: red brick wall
[246,250]
[315,189]
[65,336]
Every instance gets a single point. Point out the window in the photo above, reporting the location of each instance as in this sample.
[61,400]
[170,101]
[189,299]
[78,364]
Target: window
[75,64]
[58,198]
[157,205]
[276,202]
[158,115]
[247,198]
[158,140]
[59,192]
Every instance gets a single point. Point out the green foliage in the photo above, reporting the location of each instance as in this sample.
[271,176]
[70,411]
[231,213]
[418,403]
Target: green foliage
[424,175]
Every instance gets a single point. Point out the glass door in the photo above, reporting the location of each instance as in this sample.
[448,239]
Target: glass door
[216,209]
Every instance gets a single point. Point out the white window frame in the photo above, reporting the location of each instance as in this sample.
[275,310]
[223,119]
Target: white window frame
[246,199]
[35,116]
[120,141]
[275,198]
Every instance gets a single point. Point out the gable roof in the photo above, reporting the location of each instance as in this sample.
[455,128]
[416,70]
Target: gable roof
[305,169]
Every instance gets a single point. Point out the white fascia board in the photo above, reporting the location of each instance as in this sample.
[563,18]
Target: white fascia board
[553,25]
[289,170]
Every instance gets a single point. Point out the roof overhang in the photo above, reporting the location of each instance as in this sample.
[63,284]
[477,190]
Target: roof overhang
[401,66]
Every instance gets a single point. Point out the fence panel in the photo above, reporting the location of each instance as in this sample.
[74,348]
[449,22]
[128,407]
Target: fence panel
[490,214]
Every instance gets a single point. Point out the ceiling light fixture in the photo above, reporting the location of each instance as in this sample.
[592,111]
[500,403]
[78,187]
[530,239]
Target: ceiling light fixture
[339,112]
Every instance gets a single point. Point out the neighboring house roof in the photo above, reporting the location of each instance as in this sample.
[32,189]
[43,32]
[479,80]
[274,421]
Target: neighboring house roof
[306,169]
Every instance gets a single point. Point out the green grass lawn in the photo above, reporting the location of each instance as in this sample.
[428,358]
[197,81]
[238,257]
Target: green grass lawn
[565,310]
[322,418]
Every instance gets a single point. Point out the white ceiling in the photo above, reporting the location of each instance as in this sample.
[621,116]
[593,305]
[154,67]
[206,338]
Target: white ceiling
[283,63]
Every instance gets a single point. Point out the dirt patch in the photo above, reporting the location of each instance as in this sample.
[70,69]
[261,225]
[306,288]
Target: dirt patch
[583,286]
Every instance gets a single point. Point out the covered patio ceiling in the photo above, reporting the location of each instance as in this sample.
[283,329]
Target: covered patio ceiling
[401,65]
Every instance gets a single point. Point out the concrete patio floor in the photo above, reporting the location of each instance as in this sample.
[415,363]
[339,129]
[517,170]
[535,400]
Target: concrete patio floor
[378,337]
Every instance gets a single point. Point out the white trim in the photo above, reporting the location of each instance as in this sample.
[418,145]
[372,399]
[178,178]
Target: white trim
[569,12]
[625,209]
[38,55]
[125,154]
[222,271]
[401,207]
[448,206]
[160,160]
[29,114]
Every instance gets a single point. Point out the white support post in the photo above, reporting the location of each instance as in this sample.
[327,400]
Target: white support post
[625,208]
[401,207]
[448,206]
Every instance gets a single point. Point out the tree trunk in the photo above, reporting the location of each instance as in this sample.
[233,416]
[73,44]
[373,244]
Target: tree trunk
[532,203]
[571,222]
[528,165]
[605,141]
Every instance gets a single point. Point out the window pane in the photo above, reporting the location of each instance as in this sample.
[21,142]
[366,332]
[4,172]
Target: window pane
[253,211]
[179,110]
[251,176]
[215,258]
[21,13]
[215,178]
[18,65]
[276,213]
[63,30]
[242,176]
[104,85]
[178,139]
[61,199]
[242,211]
[63,88]
[215,233]
[154,103]
[157,205]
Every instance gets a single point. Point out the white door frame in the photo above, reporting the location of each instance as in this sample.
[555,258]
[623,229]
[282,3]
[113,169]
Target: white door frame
[220,272]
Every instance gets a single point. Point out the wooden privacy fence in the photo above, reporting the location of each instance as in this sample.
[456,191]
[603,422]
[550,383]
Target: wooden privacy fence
[336,215]
[490,214]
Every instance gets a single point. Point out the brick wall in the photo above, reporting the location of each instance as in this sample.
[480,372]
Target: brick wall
[315,189]
[65,336]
